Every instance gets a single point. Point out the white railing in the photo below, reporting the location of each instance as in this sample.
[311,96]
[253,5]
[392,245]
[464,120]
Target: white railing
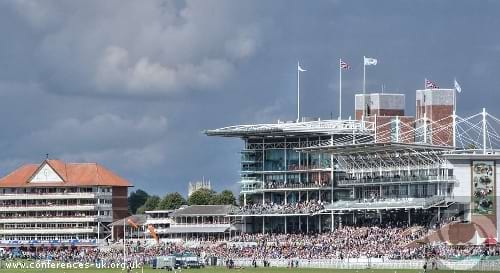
[34,241]
[378,263]
[23,231]
[49,208]
[158,221]
[49,219]
[61,195]
[178,225]
[398,180]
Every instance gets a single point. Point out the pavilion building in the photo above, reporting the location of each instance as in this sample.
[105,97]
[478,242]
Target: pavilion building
[60,203]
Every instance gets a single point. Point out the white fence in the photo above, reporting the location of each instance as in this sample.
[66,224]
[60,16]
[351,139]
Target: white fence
[378,263]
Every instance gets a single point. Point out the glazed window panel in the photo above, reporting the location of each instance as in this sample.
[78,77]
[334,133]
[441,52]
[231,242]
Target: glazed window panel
[274,160]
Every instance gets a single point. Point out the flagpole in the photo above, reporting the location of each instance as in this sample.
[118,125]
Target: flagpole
[340,88]
[364,75]
[454,96]
[298,92]
[124,245]
[364,86]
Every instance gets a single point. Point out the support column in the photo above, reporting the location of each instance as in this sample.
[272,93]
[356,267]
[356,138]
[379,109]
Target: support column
[285,226]
[286,194]
[319,223]
[300,165]
[425,126]
[286,164]
[454,116]
[409,217]
[484,131]
[333,222]
[263,225]
[307,224]
[397,128]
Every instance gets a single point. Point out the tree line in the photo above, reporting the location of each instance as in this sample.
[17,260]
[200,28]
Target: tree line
[140,201]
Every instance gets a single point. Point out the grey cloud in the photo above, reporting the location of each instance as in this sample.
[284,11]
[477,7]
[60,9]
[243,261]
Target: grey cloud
[101,133]
[116,73]
[138,48]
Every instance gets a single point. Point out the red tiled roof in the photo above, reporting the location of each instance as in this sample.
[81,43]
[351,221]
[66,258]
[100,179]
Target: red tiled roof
[72,174]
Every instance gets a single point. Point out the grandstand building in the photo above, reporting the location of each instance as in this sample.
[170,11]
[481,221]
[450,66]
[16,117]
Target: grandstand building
[197,222]
[382,168]
[60,203]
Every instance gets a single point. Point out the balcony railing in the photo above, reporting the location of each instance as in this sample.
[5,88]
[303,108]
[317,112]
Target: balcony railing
[48,208]
[248,186]
[180,225]
[290,168]
[21,231]
[61,195]
[53,219]
[387,203]
[159,221]
[388,180]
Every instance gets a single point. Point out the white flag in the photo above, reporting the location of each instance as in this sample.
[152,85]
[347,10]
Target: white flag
[300,68]
[370,61]
[457,87]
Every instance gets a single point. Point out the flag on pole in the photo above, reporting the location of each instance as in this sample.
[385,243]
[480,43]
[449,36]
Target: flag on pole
[132,223]
[430,84]
[300,68]
[153,233]
[457,86]
[370,61]
[344,65]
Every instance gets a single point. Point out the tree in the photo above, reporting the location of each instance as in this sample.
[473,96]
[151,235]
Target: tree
[136,199]
[150,204]
[172,201]
[226,197]
[201,197]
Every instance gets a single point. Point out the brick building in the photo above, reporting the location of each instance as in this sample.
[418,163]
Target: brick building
[436,107]
[387,111]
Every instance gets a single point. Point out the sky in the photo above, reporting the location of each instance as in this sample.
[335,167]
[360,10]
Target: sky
[133,84]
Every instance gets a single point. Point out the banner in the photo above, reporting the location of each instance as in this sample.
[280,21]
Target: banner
[483,187]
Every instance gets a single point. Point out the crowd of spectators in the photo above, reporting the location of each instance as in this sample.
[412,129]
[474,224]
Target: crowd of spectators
[306,207]
[344,243]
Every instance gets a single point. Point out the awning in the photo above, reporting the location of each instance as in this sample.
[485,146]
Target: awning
[490,241]
[176,230]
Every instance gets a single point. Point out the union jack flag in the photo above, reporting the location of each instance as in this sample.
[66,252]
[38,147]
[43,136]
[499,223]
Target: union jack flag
[430,84]
[344,65]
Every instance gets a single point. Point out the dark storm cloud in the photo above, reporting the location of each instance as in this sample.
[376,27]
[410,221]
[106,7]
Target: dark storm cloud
[132,84]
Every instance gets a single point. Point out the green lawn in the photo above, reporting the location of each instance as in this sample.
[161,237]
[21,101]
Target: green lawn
[216,270]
